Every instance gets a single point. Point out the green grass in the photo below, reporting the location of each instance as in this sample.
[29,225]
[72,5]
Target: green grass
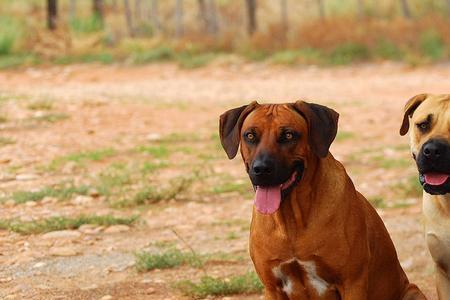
[102,57]
[160,53]
[62,223]
[11,32]
[41,105]
[159,151]
[242,188]
[83,157]
[344,135]
[348,53]
[248,283]
[431,45]
[51,117]
[377,202]
[176,189]
[410,187]
[386,49]
[17,60]
[6,141]
[391,163]
[61,191]
[150,167]
[192,61]
[303,55]
[86,25]
[166,259]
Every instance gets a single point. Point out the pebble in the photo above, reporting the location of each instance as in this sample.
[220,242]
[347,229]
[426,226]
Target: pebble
[82,200]
[62,234]
[6,279]
[48,199]
[153,137]
[90,229]
[30,203]
[24,177]
[39,265]
[106,297]
[90,287]
[10,203]
[150,291]
[63,251]
[117,228]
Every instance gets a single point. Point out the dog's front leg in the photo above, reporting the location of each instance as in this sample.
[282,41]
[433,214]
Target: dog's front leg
[274,294]
[442,283]
[356,289]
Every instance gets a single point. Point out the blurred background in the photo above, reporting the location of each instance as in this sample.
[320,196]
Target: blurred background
[194,33]
[113,181]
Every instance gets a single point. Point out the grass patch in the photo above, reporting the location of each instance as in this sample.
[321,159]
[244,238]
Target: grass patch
[82,157]
[410,187]
[377,202]
[6,141]
[432,45]
[41,105]
[160,151]
[192,61]
[61,191]
[348,53]
[102,57]
[169,258]
[161,53]
[176,188]
[386,49]
[391,163]
[62,223]
[149,167]
[344,135]
[51,117]
[248,283]
[242,188]
[86,25]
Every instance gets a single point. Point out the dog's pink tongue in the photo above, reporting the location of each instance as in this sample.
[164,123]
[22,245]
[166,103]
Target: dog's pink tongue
[435,178]
[267,199]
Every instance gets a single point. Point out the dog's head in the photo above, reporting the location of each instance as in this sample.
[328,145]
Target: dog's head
[429,119]
[277,142]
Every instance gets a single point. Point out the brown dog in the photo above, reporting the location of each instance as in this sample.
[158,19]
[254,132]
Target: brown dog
[429,116]
[312,236]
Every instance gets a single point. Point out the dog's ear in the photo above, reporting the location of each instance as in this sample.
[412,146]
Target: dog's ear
[322,125]
[230,126]
[409,109]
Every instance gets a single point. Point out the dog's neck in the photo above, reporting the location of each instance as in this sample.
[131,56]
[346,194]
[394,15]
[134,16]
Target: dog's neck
[443,202]
[304,200]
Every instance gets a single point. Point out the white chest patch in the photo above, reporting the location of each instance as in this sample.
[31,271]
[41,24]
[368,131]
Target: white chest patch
[316,282]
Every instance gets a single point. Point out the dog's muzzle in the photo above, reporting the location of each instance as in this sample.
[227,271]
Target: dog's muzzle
[433,162]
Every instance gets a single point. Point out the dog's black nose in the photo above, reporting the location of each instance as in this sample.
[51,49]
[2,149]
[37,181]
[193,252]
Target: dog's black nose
[262,167]
[434,149]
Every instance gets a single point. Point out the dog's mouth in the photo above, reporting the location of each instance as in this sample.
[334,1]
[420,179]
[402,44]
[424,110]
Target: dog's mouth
[268,198]
[435,183]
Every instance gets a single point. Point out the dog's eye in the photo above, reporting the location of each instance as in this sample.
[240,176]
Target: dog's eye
[423,126]
[288,136]
[250,136]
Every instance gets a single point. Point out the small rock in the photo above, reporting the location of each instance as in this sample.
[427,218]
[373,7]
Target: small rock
[153,137]
[62,234]
[89,229]
[407,264]
[5,160]
[6,279]
[30,203]
[82,200]
[150,291]
[93,193]
[117,228]
[90,287]
[106,297]
[48,200]
[24,177]
[10,203]
[39,265]
[63,251]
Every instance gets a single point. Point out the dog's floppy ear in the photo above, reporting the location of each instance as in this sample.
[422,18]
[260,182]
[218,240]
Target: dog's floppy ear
[322,125]
[409,109]
[230,126]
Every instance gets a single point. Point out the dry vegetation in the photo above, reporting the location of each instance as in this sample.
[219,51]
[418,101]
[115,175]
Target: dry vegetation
[378,31]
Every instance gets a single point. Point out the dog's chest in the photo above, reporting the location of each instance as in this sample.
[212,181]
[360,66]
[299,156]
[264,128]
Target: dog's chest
[296,278]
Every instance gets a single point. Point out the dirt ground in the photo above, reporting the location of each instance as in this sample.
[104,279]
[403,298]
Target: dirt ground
[54,119]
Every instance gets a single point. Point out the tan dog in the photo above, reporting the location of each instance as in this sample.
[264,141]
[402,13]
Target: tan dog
[429,116]
[312,236]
